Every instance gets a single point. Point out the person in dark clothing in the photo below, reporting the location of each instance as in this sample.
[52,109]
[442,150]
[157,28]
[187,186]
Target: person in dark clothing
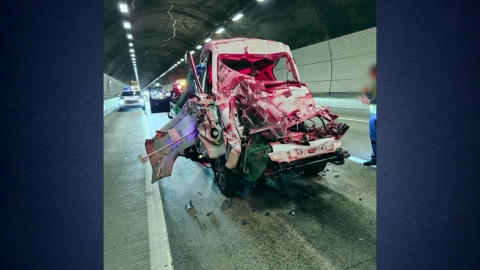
[370,97]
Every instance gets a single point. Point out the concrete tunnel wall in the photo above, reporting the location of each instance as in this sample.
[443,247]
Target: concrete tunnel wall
[114,88]
[337,70]
[110,93]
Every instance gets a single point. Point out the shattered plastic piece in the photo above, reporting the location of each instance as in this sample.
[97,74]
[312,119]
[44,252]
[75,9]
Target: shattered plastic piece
[227,203]
[292,213]
[209,214]
[244,222]
[336,176]
[305,194]
[267,214]
[189,205]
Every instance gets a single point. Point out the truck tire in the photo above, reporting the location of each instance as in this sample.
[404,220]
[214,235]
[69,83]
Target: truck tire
[228,182]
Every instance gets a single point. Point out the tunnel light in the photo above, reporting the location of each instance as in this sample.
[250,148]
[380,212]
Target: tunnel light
[220,30]
[127,25]
[130,44]
[123,8]
[192,52]
[237,17]
[178,62]
[198,47]
[207,40]
[129,36]
[181,60]
[132,50]
[259,0]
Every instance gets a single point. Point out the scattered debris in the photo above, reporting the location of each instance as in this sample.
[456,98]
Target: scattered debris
[199,193]
[360,239]
[244,222]
[328,170]
[227,203]
[267,214]
[189,205]
[209,214]
[309,186]
[292,213]
[306,194]
[253,210]
[360,199]
[336,176]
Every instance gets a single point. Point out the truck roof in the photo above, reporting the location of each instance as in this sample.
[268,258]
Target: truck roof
[245,45]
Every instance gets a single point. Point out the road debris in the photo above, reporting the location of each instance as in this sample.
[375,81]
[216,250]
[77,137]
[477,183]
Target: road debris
[244,222]
[336,176]
[308,195]
[267,214]
[199,193]
[292,213]
[189,205]
[227,203]
[209,214]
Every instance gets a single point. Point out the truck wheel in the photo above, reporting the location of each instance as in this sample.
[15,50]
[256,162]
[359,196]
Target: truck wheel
[312,171]
[228,182]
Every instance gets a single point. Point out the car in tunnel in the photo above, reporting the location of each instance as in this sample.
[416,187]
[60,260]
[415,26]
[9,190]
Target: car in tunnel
[131,99]
[176,92]
[159,100]
[245,111]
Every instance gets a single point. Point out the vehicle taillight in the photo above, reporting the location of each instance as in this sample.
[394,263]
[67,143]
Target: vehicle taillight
[179,87]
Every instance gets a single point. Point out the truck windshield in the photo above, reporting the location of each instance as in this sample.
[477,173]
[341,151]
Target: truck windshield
[270,68]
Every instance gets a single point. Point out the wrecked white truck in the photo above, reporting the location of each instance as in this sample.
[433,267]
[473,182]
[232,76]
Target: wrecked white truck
[245,111]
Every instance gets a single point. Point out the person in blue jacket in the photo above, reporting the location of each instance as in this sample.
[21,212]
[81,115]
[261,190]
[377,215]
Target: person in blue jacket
[370,97]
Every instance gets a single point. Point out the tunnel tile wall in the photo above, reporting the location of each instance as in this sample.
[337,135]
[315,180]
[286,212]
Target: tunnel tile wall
[116,87]
[338,66]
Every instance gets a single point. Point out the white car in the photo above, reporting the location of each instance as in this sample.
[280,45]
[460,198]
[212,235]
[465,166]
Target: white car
[131,99]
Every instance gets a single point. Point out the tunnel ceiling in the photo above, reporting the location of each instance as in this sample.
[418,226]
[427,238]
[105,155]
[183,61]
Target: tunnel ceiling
[158,44]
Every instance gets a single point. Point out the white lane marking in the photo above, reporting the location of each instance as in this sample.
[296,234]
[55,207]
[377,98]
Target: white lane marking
[363,121]
[359,160]
[160,254]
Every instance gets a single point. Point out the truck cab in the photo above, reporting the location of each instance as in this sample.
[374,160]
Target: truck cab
[249,115]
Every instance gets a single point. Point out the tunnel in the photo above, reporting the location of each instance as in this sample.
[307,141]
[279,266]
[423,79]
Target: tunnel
[168,63]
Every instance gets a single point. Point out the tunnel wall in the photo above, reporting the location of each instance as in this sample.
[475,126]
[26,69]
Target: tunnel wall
[114,89]
[337,70]
[110,93]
